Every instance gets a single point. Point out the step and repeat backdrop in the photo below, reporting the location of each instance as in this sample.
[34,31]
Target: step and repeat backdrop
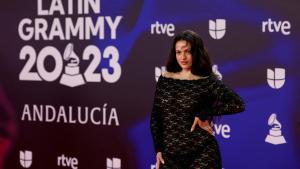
[77,79]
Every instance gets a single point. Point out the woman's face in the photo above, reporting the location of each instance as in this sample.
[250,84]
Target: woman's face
[183,54]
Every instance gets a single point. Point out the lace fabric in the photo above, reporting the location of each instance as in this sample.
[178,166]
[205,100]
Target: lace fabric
[178,101]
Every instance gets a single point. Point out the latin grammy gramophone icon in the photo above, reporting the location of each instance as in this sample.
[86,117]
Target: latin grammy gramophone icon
[71,77]
[217,72]
[275,136]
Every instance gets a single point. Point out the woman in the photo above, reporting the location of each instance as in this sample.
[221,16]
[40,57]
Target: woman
[189,94]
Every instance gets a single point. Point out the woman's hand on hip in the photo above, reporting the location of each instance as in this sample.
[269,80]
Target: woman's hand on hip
[159,160]
[203,124]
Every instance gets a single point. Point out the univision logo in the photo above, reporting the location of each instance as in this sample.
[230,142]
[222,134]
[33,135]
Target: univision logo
[276,78]
[159,71]
[25,158]
[217,28]
[113,163]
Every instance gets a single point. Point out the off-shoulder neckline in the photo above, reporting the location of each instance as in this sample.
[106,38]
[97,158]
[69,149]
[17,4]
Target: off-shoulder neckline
[177,79]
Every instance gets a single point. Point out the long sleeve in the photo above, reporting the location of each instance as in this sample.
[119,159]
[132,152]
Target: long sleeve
[222,100]
[156,121]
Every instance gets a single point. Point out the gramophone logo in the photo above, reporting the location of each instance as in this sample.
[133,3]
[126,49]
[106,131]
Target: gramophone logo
[216,71]
[71,77]
[275,135]
[217,28]
[25,158]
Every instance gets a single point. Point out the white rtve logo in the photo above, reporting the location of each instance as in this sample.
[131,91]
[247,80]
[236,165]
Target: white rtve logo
[276,78]
[222,129]
[67,161]
[273,26]
[26,158]
[217,28]
[114,163]
[159,28]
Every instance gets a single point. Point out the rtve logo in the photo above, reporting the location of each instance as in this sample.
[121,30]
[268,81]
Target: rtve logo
[158,28]
[271,26]
[222,129]
[217,28]
[25,158]
[276,78]
[67,161]
[114,163]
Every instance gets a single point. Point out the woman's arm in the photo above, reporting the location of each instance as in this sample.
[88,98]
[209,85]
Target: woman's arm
[222,100]
[155,121]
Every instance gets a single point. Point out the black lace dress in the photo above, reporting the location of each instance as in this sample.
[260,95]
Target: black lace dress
[176,103]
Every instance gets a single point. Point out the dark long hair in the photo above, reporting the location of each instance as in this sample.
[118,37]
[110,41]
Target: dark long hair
[201,63]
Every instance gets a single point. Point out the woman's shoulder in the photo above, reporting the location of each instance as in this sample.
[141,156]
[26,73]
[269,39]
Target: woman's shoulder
[167,74]
[177,76]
